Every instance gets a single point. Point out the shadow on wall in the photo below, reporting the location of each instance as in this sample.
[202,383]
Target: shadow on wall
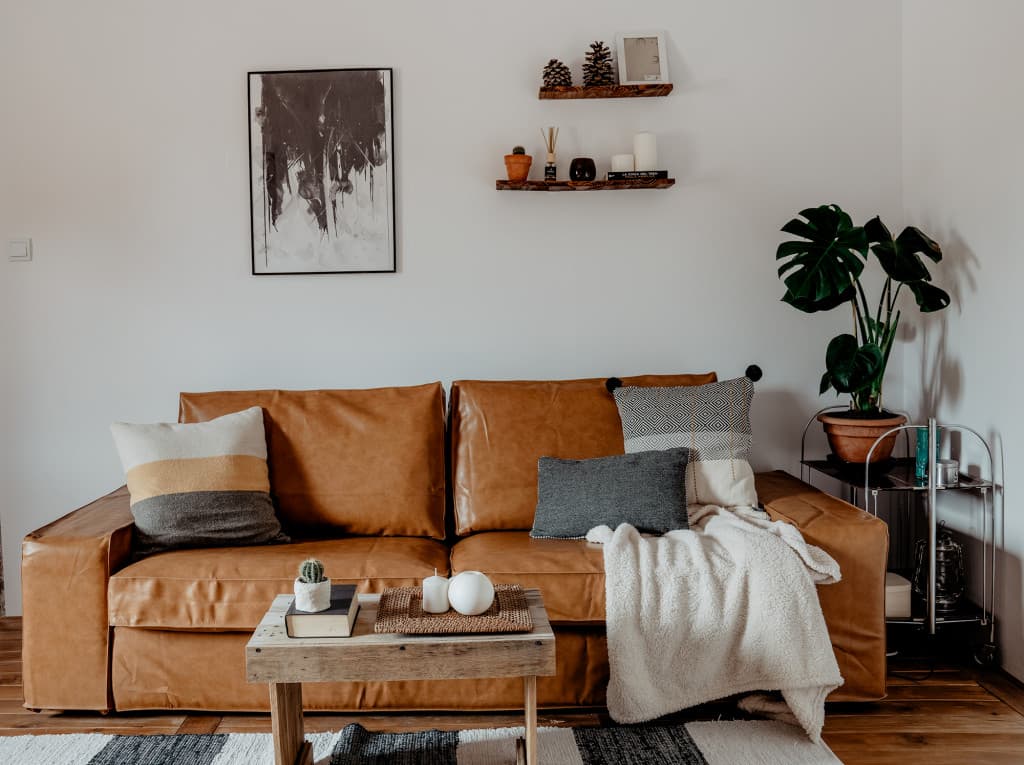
[1009,596]
[1008,586]
[940,379]
[940,376]
[778,416]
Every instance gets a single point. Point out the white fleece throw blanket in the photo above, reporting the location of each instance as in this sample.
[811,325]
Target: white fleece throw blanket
[726,607]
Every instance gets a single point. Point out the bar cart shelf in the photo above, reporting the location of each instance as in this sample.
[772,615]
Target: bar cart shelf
[864,484]
[892,475]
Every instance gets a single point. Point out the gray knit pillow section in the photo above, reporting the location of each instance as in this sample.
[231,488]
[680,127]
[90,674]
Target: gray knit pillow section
[645,489]
[205,519]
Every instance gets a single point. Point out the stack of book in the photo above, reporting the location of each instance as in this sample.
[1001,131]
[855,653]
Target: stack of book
[336,621]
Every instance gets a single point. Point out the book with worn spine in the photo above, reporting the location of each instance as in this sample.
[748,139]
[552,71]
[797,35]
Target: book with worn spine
[336,621]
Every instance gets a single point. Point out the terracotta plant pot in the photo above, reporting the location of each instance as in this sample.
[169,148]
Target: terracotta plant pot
[851,438]
[518,166]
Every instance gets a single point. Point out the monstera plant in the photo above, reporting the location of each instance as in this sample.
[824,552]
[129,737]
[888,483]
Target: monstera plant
[822,271]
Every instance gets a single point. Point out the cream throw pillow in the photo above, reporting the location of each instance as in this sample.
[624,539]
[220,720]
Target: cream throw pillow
[712,421]
[199,485]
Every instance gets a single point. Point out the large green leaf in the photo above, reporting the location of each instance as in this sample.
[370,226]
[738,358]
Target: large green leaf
[809,305]
[851,366]
[929,297]
[819,269]
[916,241]
[826,383]
[901,257]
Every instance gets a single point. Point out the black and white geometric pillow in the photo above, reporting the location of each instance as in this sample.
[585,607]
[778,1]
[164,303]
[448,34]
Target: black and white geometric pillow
[712,421]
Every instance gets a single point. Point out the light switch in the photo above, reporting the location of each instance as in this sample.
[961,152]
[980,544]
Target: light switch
[19,250]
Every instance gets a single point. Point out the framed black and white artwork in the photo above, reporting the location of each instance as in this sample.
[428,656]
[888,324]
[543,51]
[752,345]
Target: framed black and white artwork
[642,58]
[322,171]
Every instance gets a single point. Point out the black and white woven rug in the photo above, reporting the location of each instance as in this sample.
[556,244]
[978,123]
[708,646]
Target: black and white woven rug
[698,743]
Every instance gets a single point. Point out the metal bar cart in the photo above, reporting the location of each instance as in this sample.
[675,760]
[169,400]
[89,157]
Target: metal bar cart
[865,483]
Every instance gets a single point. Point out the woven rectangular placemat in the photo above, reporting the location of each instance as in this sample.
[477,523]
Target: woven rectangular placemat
[401,610]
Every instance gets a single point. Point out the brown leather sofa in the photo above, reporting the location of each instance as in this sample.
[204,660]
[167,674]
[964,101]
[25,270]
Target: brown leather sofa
[359,480]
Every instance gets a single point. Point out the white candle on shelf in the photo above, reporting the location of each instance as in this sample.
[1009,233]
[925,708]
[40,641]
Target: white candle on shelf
[622,163]
[645,151]
[435,594]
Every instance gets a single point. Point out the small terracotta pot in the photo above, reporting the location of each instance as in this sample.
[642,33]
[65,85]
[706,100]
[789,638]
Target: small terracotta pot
[518,166]
[851,439]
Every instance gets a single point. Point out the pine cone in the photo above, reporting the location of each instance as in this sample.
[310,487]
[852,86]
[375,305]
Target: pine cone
[556,74]
[597,70]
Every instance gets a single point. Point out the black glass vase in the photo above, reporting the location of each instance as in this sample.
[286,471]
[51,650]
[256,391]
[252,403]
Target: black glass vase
[582,169]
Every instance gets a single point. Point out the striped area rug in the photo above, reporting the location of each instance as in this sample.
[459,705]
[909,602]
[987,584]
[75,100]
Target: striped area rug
[754,742]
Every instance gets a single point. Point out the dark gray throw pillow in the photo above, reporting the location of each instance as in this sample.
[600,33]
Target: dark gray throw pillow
[645,489]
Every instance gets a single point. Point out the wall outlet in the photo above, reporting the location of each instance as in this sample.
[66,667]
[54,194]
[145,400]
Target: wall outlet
[19,250]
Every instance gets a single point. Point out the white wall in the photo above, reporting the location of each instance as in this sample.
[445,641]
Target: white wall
[124,155]
[963,160]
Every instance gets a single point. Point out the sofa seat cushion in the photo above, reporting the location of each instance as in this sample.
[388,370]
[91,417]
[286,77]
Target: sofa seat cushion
[231,588]
[568,572]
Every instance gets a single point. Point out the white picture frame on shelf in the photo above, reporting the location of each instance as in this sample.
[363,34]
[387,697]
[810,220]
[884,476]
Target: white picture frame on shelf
[643,58]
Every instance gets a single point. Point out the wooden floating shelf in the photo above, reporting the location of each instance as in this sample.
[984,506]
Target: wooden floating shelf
[648,183]
[608,91]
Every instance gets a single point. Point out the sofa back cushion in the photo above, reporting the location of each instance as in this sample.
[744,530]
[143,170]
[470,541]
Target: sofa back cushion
[359,461]
[501,428]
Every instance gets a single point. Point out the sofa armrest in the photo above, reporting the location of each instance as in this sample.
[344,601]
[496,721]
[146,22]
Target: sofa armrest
[64,571]
[855,607]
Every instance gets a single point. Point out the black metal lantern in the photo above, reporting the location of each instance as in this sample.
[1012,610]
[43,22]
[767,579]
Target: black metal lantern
[950,570]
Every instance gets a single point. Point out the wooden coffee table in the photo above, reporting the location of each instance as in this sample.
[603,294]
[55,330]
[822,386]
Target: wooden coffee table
[286,663]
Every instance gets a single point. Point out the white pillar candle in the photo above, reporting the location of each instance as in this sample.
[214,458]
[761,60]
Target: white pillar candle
[435,594]
[622,163]
[645,151]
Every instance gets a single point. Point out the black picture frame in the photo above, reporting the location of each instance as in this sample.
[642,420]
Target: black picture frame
[345,144]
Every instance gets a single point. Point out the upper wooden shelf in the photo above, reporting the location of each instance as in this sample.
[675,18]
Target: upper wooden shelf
[609,91]
[644,183]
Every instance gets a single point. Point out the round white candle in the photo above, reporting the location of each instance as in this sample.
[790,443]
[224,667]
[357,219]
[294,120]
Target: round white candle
[622,163]
[645,151]
[471,593]
[435,594]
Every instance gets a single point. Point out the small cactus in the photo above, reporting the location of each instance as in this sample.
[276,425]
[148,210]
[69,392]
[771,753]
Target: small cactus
[311,571]
[518,150]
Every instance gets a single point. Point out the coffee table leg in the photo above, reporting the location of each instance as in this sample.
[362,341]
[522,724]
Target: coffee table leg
[530,688]
[290,747]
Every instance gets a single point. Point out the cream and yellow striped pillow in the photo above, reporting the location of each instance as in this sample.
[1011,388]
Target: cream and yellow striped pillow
[199,485]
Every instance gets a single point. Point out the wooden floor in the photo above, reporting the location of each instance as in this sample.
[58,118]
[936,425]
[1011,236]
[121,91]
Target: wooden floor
[946,716]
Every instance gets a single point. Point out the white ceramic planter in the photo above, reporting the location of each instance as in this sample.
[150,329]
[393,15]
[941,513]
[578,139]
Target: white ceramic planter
[312,597]
[470,593]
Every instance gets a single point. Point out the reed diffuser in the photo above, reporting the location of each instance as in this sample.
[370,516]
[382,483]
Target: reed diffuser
[550,136]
